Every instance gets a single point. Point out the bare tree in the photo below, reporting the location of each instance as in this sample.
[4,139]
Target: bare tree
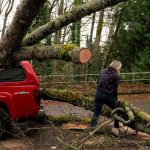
[5,10]
[96,51]
[113,30]
[92,28]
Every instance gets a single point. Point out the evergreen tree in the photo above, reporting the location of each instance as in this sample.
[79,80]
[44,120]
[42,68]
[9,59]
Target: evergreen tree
[131,44]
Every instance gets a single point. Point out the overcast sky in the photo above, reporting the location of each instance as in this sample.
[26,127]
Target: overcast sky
[16,2]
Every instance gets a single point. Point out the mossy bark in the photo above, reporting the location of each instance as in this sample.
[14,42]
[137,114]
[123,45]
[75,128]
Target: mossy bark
[139,120]
[68,52]
[96,49]
[66,118]
[64,20]
[11,40]
[75,98]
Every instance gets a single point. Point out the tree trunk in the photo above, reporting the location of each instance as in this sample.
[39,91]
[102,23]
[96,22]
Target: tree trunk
[112,37]
[57,39]
[128,114]
[68,52]
[109,41]
[92,29]
[57,65]
[26,12]
[67,118]
[96,51]
[64,20]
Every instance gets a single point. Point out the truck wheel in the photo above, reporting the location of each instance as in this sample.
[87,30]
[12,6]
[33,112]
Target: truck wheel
[5,124]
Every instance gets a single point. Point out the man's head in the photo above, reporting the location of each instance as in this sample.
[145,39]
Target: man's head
[116,65]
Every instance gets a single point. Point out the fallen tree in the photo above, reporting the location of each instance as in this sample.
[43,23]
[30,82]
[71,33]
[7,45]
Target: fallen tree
[13,39]
[126,113]
[64,20]
[69,52]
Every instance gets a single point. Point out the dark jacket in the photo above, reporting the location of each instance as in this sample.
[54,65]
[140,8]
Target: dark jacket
[108,81]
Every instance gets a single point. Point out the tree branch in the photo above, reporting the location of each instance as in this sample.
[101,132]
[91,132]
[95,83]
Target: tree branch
[68,52]
[64,20]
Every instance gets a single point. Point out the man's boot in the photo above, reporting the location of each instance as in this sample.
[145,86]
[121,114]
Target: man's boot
[93,122]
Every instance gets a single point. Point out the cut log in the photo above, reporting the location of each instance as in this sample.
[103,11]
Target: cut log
[25,13]
[126,113]
[68,52]
[64,20]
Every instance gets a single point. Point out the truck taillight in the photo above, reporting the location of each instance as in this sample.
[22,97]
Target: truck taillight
[37,96]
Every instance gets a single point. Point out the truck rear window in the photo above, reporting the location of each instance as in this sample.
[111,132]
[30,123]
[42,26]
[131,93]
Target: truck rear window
[13,74]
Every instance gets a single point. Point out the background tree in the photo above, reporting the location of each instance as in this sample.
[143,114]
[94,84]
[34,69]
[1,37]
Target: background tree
[43,16]
[5,9]
[131,44]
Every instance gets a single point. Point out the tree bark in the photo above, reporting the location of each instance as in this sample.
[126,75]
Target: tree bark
[92,29]
[72,16]
[96,51]
[128,114]
[57,39]
[68,52]
[112,37]
[25,13]
[67,118]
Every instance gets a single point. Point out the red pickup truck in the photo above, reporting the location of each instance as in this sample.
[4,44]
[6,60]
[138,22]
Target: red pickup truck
[19,95]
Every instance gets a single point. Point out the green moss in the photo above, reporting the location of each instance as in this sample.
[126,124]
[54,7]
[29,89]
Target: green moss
[75,98]
[86,120]
[66,48]
[52,23]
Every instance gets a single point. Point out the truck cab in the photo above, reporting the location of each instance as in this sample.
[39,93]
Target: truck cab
[19,92]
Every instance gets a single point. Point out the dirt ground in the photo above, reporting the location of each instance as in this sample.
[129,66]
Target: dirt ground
[50,137]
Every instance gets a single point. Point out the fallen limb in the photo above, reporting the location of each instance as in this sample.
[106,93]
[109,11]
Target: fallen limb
[68,52]
[90,134]
[67,118]
[127,111]
[138,120]
[68,145]
[98,128]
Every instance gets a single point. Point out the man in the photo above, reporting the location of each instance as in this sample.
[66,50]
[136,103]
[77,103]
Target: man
[106,92]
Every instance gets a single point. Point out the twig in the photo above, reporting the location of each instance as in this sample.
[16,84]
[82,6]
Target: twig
[74,148]
[100,126]
[95,130]
[36,128]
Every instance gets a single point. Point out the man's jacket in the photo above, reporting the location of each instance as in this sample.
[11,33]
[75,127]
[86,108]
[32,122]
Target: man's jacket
[108,81]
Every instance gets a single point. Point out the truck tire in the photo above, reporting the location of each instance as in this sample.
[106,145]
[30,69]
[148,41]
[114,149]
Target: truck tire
[5,124]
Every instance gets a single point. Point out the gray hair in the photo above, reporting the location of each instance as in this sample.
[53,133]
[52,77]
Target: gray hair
[116,65]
